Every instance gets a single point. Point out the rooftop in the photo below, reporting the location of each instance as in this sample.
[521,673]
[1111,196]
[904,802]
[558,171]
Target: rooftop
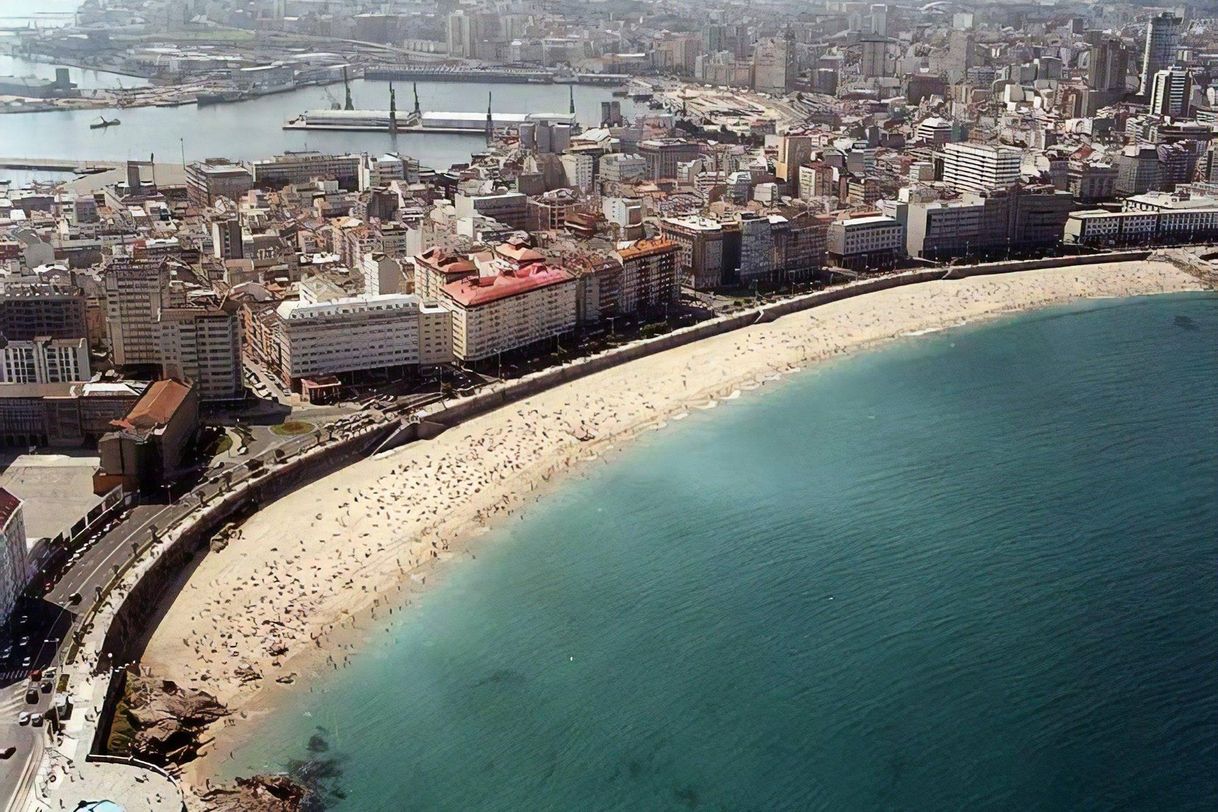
[157,407]
[473,291]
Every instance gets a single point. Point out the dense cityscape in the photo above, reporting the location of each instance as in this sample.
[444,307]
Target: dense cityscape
[188,337]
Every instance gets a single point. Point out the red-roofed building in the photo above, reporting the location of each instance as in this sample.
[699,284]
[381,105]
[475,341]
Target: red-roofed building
[148,447]
[14,555]
[435,268]
[503,308]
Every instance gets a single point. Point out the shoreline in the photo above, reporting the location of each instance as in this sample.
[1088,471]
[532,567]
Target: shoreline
[292,603]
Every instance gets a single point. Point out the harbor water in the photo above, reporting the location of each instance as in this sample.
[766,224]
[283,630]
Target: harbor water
[971,570]
[254,129]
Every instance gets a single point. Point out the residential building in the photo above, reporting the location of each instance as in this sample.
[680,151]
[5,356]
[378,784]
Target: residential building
[360,334]
[35,311]
[435,268]
[45,360]
[973,167]
[504,308]
[202,345]
[135,294]
[14,554]
[868,243]
[226,238]
[622,168]
[649,275]
[700,250]
[382,274]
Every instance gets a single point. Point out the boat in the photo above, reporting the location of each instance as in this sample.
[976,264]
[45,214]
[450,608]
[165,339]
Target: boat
[104,122]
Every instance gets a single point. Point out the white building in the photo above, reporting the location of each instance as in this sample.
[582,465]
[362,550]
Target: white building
[203,345]
[374,171]
[382,274]
[974,167]
[865,243]
[14,555]
[360,333]
[45,360]
[578,167]
[501,309]
[509,208]
[622,168]
[1171,92]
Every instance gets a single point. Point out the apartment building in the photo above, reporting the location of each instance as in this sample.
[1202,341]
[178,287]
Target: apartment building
[649,275]
[973,167]
[699,243]
[868,243]
[45,360]
[40,310]
[135,294]
[664,154]
[501,308]
[435,268]
[360,334]
[203,345]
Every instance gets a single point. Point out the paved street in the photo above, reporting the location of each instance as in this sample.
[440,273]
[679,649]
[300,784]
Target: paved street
[44,623]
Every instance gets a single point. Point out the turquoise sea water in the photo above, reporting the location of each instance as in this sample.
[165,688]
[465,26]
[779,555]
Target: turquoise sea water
[975,570]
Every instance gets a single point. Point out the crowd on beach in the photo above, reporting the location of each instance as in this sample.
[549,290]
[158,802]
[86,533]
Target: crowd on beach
[304,580]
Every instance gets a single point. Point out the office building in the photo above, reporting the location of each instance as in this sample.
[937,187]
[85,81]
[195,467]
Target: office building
[300,167]
[664,154]
[1162,39]
[773,65]
[1171,91]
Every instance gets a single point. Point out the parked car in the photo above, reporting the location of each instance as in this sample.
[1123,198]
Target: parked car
[8,752]
[23,719]
[36,720]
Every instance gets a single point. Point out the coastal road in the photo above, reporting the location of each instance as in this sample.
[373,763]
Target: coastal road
[44,624]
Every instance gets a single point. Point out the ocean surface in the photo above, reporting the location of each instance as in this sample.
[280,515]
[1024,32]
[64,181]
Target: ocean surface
[971,570]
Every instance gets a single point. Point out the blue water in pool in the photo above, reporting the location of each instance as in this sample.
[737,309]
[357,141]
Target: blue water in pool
[974,570]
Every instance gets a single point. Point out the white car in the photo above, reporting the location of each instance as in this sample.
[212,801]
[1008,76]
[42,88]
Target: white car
[23,719]
[36,720]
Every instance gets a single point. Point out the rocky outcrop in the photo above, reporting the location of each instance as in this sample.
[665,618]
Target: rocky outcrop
[261,793]
[162,723]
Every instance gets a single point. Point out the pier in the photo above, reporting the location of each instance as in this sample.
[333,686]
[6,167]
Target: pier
[450,73]
[65,165]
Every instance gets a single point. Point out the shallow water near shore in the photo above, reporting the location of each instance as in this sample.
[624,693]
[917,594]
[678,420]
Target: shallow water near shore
[975,569]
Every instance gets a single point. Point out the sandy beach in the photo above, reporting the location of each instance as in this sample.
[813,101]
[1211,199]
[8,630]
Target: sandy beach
[293,594]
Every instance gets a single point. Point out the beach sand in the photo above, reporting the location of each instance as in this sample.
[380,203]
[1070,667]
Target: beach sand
[312,574]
